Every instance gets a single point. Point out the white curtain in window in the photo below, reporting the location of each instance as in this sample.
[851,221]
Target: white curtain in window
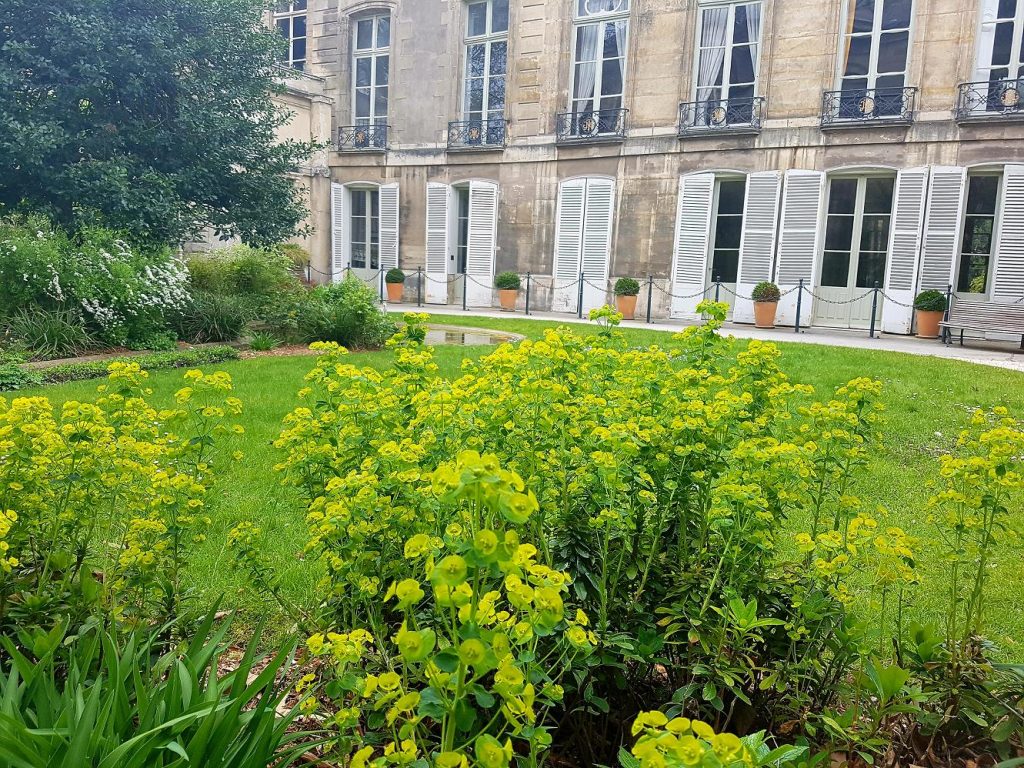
[586,74]
[986,38]
[620,48]
[754,30]
[714,28]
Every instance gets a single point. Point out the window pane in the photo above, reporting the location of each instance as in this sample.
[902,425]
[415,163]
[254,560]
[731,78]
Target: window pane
[363,102]
[730,197]
[982,193]
[496,93]
[1007,9]
[284,27]
[878,195]
[892,52]
[477,19]
[713,27]
[499,58]
[842,196]
[978,234]
[739,27]
[380,101]
[835,269]
[839,233]
[358,203]
[738,94]
[611,104]
[711,69]
[383,69]
[973,276]
[358,255]
[874,233]
[586,42]
[359,228]
[475,94]
[299,26]
[299,49]
[374,257]
[1002,44]
[870,270]
[583,84]
[896,14]
[858,55]
[299,5]
[611,77]
[742,70]
[596,7]
[499,16]
[727,232]
[888,88]
[615,39]
[383,31]
[364,34]
[476,60]
[725,265]
[374,207]
[863,15]
[364,70]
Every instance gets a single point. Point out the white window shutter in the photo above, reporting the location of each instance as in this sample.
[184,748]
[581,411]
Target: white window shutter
[568,239]
[757,242]
[905,237]
[483,229]
[598,219]
[693,233]
[943,220]
[800,233]
[437,244]
[340,244]
[388,226]
[1008,280]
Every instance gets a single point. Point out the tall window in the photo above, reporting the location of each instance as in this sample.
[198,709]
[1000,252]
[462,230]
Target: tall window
[599,63]
[728,229]
[727,59]
[486,66]
[290,20]
[979,233]
[1000,53]
[365,229]
[857,232]
[371,66]
[876,42]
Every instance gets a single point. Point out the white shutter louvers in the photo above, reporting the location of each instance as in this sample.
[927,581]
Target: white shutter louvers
[436,276]
[1008,278]
[483,223]
[693,232]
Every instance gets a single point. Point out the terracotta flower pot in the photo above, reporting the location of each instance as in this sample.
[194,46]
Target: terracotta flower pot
[395,292]
[626,306]
[928,323]
[508,297]
[764,314]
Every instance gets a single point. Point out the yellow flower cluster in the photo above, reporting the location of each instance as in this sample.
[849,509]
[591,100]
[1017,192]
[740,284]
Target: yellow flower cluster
[684,743]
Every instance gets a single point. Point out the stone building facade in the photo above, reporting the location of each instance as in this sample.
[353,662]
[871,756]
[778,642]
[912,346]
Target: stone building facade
[695,145]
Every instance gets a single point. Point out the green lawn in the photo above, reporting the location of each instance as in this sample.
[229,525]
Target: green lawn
[928,400]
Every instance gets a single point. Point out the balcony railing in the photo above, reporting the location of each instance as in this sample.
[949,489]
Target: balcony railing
[990,99]
[477,134]
[721,116]
[363,138]
[859,106]
[591,126]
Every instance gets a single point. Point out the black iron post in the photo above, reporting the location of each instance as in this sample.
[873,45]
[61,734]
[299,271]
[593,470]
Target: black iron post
[465,289]
[874,308]
[527,293]
[309,273]
[799,301]
[945,317]
[381,284]
[650,295]
[718,287]
[579,298]
[419,287]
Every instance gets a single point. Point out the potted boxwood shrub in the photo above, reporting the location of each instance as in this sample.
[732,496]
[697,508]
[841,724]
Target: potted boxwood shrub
[626,290]
[766,300]
[395,281]
[508,284]
[929,306]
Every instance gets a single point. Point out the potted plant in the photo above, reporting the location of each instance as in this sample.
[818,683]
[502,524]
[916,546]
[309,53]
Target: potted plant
[766,300]
[929,306]
[626,290]
[395,281]
[508,284]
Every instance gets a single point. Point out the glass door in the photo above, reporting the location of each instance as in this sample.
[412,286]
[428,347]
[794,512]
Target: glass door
[365,245]
[726,232]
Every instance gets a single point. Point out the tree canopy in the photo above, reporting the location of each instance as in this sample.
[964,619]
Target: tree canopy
[154,116]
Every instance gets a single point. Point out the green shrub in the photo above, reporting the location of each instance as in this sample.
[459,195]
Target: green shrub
[507,281]
[242,270]
[930,301]
[213,317]
[14,376]
[394,276]
[766,292]
[263,342]
[100,700]
[296,254]
[348,313]
[626,286]
[192,358]
[50,333]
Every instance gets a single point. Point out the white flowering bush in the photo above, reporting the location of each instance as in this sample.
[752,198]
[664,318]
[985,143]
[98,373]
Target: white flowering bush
[122,294]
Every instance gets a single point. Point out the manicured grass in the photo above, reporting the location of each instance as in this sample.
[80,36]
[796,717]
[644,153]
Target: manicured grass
[928,401]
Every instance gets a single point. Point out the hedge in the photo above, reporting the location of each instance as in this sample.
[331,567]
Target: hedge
[59,374]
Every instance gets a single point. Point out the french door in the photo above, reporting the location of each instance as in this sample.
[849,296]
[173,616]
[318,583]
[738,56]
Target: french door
[856,250]
[726,234]
[365,232]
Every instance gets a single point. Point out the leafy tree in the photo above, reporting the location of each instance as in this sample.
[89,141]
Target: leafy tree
[154,116]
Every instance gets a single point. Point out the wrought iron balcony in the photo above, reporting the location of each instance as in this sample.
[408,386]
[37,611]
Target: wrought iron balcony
[363,138]
[721,116]
[860,106]
[591,126]
[990,100]
[477,134]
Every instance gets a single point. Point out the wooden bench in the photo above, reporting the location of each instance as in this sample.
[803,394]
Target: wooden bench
[985,317]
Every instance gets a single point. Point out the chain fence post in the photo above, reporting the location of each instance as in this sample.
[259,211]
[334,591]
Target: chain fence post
[650,295]
[465,289]
[945,317]
[718,288]
[381,275]
[419,286]
[309,273]
[874,308]
[527,310]
[579,298]
[799,301]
